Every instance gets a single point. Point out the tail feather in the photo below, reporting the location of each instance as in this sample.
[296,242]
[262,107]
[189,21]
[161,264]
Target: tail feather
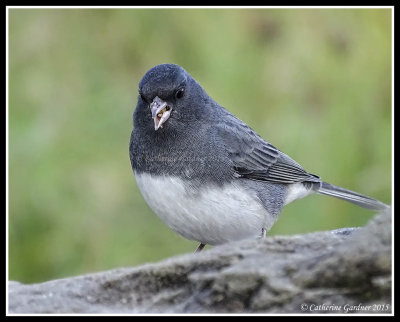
[351,196]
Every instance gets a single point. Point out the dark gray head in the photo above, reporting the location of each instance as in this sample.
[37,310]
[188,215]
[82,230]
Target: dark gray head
[168,98]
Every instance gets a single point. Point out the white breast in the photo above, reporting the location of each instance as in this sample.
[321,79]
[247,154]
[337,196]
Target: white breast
[212,216]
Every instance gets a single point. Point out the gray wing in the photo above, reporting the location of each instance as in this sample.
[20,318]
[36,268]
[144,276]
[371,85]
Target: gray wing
[256,159]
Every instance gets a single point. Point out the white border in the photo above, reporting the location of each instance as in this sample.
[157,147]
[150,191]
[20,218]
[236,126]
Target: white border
[201,7]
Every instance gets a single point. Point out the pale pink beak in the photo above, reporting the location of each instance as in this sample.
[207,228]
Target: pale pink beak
[160,112]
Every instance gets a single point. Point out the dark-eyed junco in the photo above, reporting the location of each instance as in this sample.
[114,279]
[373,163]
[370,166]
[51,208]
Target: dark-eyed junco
[204,172]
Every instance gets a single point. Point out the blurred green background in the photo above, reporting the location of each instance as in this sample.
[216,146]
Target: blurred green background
[315,82]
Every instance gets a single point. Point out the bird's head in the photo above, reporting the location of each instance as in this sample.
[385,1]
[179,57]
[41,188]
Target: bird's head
[167,92]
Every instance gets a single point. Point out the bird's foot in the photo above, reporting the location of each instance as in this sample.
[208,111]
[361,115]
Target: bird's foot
[263,233]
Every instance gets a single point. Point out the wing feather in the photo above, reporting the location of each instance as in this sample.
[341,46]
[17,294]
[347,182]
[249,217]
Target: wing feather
[256,159]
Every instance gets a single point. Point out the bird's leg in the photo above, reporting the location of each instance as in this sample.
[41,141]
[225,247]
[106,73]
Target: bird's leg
[263,233]
[201,246]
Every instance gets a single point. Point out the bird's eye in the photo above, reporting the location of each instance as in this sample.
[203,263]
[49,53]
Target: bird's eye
[179,93]
[142,97]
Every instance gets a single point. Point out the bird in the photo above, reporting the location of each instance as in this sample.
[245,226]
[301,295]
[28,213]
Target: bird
[205,173]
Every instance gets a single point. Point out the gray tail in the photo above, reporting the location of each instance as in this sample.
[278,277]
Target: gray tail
[350,196]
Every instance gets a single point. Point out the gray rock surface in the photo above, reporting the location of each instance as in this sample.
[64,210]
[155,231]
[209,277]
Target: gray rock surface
[345,270]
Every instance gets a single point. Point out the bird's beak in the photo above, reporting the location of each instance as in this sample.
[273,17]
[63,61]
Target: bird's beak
[160,112]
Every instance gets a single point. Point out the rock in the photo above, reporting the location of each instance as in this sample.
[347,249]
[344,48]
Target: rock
[339,271]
